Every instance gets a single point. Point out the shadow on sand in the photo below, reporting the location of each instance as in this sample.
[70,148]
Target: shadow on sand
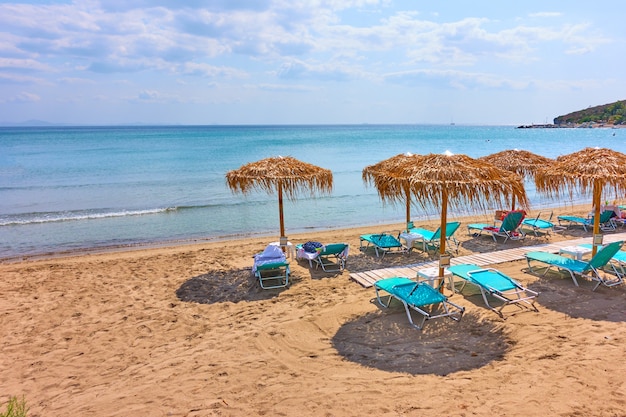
[386,341]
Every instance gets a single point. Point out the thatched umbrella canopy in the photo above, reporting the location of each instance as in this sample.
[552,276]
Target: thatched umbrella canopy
[398,190]
[462,182]
[284,175]
[592,169]
[523,163]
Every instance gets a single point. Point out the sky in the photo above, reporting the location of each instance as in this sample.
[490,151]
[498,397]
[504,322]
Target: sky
[201,62]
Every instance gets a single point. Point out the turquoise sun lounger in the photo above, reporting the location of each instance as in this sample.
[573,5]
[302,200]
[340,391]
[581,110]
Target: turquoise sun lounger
[590,270]
[620,259]
[496,284]
[416,296]
[383,243]
[509,229]
[606,222]
[432,239]
[538,225]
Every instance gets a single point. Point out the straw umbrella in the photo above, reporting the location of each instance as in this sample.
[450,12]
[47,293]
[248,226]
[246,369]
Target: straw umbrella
[392,191]
[461,181]
[592,169]
[523,163]
[284,175]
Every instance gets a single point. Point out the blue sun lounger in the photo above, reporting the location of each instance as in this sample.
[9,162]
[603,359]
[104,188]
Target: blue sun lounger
[382,243]
[606,223]
[590,270]
[416,296]
[538,224]
[496,284]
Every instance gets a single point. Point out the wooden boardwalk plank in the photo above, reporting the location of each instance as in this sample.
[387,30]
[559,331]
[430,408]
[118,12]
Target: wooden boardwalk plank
[368,278]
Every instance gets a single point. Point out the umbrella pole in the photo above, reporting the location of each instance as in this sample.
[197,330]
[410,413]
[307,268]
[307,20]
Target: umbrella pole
[597,194]
[513,203]
[407,191]
[442,239]
[280,210]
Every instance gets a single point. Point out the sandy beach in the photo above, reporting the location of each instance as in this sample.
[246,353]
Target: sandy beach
[186,331]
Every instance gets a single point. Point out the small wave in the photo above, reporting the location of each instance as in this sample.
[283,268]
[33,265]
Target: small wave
[35,218]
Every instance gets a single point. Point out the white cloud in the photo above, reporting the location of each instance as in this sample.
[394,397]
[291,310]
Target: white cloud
[24,97]
[546,14]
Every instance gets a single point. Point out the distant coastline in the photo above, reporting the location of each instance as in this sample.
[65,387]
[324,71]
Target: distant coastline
[589,125]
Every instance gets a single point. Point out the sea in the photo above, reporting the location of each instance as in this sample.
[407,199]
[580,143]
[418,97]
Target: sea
[68,189]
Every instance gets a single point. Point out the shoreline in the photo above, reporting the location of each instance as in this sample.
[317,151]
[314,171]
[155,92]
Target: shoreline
[428,221]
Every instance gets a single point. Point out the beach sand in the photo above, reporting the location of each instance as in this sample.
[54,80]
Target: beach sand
[186,331]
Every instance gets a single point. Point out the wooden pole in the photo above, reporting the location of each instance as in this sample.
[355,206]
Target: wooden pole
[597,194]
[280,209]
[442,238]
[407,192]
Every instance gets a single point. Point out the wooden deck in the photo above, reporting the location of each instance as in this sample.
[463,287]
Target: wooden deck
[368,278]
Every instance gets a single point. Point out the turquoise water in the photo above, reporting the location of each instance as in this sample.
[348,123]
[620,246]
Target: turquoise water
[71,188]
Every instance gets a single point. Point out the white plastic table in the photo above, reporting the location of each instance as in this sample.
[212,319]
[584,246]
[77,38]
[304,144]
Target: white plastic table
[432,275]
[576,251]
[410,238]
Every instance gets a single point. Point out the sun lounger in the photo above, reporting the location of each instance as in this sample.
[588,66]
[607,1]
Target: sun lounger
[417,296]
[509,229]
[606,221]
[331,257]
[382,243]
[496,284]
[576,268]
[271,268]
[432,239]
[619,258]
[538,225]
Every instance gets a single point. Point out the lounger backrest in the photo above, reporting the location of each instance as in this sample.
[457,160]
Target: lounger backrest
[605,216]
[451,228]
[605,254]
[333,249]
[512,221]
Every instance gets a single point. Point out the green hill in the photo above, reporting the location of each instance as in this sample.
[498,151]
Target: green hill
[609,114]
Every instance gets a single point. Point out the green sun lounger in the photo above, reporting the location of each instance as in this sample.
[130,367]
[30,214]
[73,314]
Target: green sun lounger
[418,297]
[620,259]
[591,269]
[496,284]
[606,223]
[332,257]
[271,268]
[509,229]
[432,239]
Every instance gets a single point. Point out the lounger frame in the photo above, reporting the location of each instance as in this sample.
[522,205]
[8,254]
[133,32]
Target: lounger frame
[273,275]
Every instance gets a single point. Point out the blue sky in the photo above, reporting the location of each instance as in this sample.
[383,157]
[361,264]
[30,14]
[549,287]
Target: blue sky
[308,62]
